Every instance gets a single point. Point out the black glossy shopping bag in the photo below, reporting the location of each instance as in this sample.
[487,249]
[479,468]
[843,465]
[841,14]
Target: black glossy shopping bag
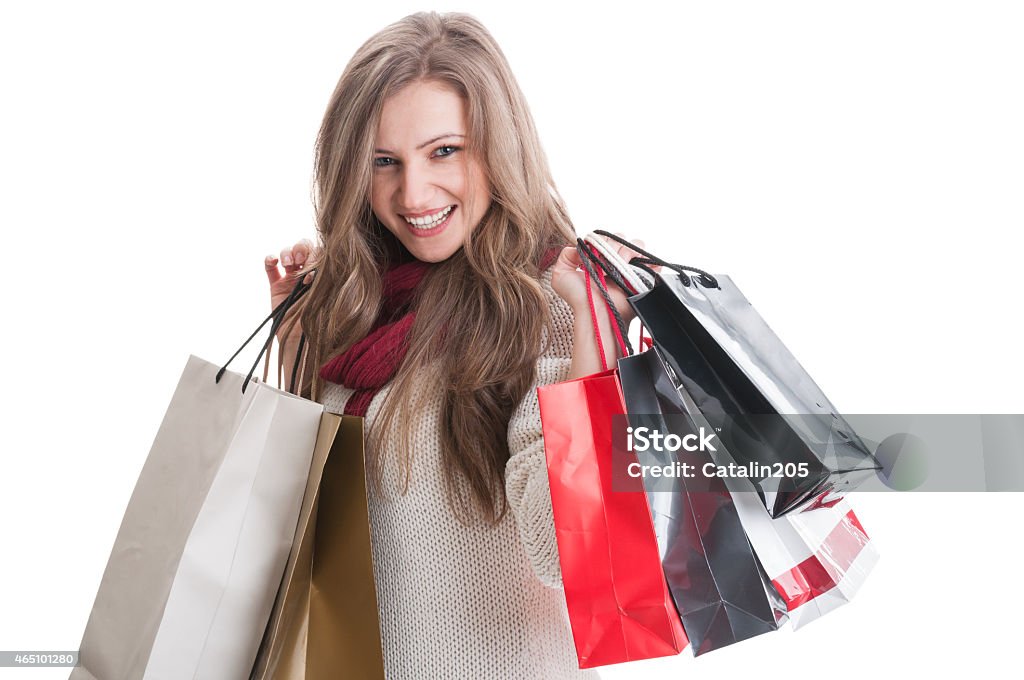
[748,385]
[720,588]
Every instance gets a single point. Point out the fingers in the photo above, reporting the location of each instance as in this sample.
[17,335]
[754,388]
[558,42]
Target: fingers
[288,260]
[302,253]
[625,252]
[296,256]
[294,260]
[273,273]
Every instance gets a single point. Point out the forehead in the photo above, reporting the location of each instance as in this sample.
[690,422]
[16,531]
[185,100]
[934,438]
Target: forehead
[418,112]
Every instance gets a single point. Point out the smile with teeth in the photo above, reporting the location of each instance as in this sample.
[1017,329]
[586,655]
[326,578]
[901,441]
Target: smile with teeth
[430,221]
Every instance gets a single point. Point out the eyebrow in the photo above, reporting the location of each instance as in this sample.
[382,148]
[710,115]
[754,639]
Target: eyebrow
[426,143]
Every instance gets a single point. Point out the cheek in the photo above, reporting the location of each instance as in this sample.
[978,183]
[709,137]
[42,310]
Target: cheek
[476,188]
[379,198]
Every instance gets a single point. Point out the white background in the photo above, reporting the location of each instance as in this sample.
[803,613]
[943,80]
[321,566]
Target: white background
[855,167]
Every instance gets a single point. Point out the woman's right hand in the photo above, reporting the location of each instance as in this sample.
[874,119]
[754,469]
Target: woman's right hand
[294,260]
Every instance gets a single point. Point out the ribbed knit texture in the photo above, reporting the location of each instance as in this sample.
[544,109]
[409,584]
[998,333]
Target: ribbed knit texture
[477,602]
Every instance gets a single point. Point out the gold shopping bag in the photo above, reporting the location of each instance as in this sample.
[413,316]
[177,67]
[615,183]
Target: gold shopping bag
[324,624]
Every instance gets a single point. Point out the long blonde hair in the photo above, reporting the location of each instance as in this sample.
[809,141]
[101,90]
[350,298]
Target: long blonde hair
[481,339]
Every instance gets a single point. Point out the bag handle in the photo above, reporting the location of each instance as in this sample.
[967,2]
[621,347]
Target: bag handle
[707,280]
[597,275]
[296,367]
[629,273]
[600,258]
[277,316]
[631,283]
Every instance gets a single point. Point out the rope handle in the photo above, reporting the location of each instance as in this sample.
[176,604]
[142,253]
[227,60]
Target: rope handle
[296,367]
[620,327]
[707,280]
[277,317]
[593,319]
[597,275]
[613,260]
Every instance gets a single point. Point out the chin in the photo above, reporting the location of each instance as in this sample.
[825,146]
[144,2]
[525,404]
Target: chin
[433,253]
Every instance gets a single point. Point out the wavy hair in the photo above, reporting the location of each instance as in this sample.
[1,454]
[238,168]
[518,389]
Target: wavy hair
[482,337]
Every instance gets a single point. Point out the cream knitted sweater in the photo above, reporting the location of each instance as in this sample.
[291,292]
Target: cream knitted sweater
[481,602]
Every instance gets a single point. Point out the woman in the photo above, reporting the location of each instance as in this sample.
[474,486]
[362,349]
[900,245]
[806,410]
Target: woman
[446,290]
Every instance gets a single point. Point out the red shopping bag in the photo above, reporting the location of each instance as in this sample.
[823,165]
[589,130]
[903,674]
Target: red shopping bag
[619,605]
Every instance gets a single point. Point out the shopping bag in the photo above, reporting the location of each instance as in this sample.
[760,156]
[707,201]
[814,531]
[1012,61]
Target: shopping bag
[720,588]
[194,570]
[619,606]
[196,564]
[324,624]
[734,366]
[817,558]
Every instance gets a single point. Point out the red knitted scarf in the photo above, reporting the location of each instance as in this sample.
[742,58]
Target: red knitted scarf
[371,363]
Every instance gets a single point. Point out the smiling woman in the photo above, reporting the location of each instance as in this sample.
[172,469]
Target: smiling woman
[446,291]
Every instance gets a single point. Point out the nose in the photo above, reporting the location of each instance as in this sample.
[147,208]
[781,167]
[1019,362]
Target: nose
[417,190]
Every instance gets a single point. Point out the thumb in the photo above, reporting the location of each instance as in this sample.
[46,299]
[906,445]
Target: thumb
[568,259]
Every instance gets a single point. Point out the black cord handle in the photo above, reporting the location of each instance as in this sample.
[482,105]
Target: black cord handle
[295,367]
[277,316]
[610,270]
[707,280]
[587,259]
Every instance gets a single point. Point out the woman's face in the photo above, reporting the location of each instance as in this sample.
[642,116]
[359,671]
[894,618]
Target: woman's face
[425,188]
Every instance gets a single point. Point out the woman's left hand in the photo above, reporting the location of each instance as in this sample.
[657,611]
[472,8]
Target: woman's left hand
[570,282]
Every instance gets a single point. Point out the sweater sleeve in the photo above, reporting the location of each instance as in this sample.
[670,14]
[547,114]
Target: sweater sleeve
[526,476]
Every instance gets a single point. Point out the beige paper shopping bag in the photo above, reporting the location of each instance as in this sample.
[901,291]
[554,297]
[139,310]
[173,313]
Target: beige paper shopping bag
[194,570]
[324,623]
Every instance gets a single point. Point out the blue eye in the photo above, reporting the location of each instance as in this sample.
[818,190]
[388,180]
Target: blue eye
[446,150]
[383,161]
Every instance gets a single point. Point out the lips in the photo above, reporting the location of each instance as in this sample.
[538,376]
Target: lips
[425,213]
[431,225]
[429,220]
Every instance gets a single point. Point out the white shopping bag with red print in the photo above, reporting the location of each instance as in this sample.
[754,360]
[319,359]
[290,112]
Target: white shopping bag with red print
[817,558]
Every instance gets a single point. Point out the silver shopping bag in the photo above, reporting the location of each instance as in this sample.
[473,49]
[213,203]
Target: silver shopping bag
[195,567]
